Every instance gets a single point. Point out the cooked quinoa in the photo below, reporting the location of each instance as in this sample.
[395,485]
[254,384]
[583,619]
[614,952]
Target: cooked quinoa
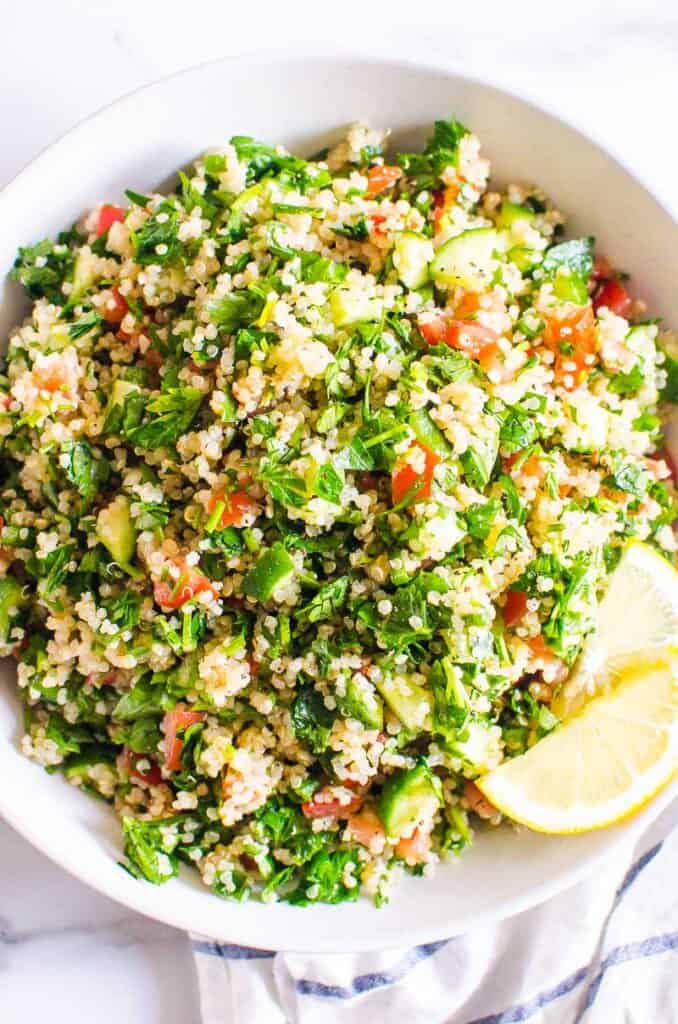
[313,475]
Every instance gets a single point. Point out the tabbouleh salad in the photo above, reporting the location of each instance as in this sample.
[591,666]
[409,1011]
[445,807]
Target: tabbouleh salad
[313,474]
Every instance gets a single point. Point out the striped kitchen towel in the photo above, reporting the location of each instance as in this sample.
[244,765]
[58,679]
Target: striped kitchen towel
[603,952]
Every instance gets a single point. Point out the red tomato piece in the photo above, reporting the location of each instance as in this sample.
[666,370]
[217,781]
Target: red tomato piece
[381,177]
[136,769]
[414,848]
[109,215]
[175,593]
[572,337]
[602,269]
[174,722]
[515,607]
[477,802]
[376,220]
[467,336]
[330,808]
[406,481]
[548,657]
[115,309]
[238,506]
[613,295]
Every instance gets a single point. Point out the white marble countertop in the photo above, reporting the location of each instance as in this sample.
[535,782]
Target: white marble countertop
[609,66]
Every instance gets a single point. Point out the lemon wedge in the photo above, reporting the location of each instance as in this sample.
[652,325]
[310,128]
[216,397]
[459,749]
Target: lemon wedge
[639,613]
[605,763]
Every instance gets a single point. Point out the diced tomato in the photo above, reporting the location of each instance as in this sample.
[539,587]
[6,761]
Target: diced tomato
[238,507]
[109,215]
[477,802]
[176,592]
[414,849]
[491,361]
[466,336]
[407,482]
[548,657]
[366,828]
[613,295]
[376,220]
[443,199]
[470,337]
[254,666]
[532,466]
[515,607]
[174,722]
[665,455]
[319,808]
[433,329]
[573,339]
[381,177]
[438,209]
[115,309]
[602,269]
[135,767]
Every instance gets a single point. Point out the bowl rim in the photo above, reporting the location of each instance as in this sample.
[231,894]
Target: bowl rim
[143,901]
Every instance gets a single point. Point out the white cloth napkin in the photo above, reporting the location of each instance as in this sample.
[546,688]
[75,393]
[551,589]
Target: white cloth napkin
[603,952]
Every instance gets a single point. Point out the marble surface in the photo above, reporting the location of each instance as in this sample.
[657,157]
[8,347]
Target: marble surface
[608,66]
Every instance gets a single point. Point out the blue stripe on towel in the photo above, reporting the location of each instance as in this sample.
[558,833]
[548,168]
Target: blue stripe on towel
[623,954]
[229,951]
[369,982]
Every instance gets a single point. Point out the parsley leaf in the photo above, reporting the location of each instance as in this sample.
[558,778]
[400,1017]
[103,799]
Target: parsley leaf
[86,472]
[282,484]
[42,269]
[327,601]
[170,416]
[311,720]
[157,234]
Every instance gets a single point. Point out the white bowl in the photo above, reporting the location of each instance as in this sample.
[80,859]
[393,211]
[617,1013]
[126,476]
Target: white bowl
[304,102]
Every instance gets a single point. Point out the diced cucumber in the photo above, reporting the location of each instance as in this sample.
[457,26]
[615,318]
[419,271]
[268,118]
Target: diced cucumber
[362,702]
[523,257]
[427,433]
[576,256]
[350,306]
[571,287]
[273,568]
[409,799]
[84,274]
[512,212]
[482,747]
[116,531]
[408,701]
[11,600]
[412,255]
[468,259]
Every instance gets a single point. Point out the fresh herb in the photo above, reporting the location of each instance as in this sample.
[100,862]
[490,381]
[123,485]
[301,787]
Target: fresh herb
[168,416]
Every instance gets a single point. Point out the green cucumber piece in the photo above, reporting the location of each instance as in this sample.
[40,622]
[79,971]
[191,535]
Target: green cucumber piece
[575,256]
[11,600]
[362,702]
[408,799]
[116,531]
[467,259]
[349,306]
[408,701]
[412,255]
[509,213]
[273,568]
[571,288]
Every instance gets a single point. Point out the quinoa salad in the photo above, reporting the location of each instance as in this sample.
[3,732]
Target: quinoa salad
[313,475]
